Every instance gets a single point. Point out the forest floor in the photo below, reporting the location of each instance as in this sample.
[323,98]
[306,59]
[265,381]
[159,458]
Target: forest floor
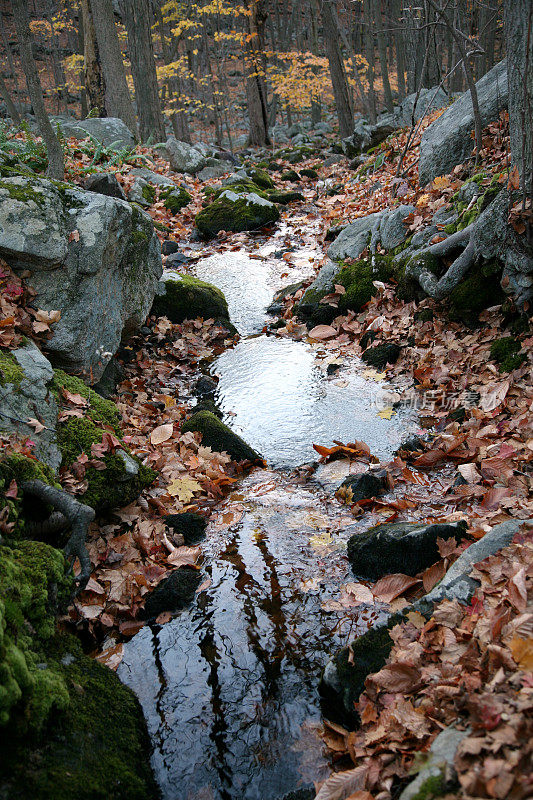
[470,667]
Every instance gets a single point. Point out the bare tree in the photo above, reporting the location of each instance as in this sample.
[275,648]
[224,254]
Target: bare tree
[255,83]
[56,161]
[117,97]
[137,16]
[94,79]
[10,105]
[519,39]
[341,89]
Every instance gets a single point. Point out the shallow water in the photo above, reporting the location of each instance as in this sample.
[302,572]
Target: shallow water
[274,393]
[229,687]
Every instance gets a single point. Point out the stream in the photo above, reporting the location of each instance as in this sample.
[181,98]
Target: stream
[229,687]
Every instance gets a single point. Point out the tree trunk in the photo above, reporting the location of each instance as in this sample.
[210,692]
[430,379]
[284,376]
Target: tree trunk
[10,105]
[339,81]
[518,16]
[56,161]
[117,97]
[255,85]
[179,121]
[399,42]
[137,16]
[369,53]
[382,50]
[94,79]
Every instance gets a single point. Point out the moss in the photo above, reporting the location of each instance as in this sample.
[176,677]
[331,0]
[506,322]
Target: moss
[219,437]
[506,353]
[261,179]
[284,198]
[243,187]
[10,370]
[381,355]
[24,193]
[309,173]
[19,468]
[433,786]
[148,193]
[240,215]
[95,748]
[139,237]
[33,585]
[358,280]
[175,198]
[479,290]
[189,298]
[290,175]
[100,410]
[112,487]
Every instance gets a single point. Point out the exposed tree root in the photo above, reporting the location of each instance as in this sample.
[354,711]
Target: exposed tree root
[69,512]
[439,288]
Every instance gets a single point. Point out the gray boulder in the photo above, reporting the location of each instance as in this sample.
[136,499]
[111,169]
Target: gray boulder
[386,227]
[438,769]
[105,183]
[141,192]
[183,157]
[25,394]
[94,258]
[215,168]
[448,141]
[429,100]
[108,130]
[154,178]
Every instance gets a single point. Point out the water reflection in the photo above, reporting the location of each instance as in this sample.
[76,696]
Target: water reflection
[229,687]
[273,394]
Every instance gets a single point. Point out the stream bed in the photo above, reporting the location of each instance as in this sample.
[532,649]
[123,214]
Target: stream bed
[229,687]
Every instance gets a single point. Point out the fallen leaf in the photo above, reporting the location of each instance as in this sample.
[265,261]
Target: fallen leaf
[389,587]
[162,433]
[322,332]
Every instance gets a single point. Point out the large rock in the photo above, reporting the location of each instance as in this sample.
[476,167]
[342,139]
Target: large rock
[220,438]
[429,100]
[105,183]
[182,297]
[437,772]
[399,547]
[448,141]
[183,157]
[26,394]
[94,258]
[110,131]
[236,211]
[386,227]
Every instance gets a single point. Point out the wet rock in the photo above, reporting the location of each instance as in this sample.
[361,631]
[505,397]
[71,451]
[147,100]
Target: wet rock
[236,211]
[284,198]
[105,183]
[220,438]
[300,794]
[189,525]
[367,338]
[102,279]
[176,259]
[276,305]
[205,385]
[399,547]
[365,485]
[448,141]
[413,445]
[174,593]
[113,375]
[386,227]
[381,355]
[310,308]
[182,297]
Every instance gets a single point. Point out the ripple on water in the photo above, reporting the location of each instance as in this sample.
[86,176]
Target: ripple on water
[229,688]
[274,394]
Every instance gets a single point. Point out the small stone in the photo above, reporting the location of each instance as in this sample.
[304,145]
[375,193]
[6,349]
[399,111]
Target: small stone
[168,247]
[174,593]
[189,525]
[365,485]
[105,183]
[175,259]
[381,355]
[205,385]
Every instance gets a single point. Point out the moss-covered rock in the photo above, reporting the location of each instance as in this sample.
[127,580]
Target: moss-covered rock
[284,198]
[33,586]
[261,178]
[10,370]
[381,355]
[343,680]
[174,593]
[186,297]
[94,748]
[506,352]
[124,476]
[480,289]
[19,468]
[100,410]
[220,438]
[399,547]
[290,176]
[174,198]
[235,212]
[309,173]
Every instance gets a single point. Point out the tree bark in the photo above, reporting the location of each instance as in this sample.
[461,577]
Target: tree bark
[56,161]
[255,85]
[94,79]
[117,97]
[137,16]
[518,16]
[339,80]
[10,105]
[382,50]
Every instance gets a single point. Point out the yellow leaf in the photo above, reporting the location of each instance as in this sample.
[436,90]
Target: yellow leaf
[374,374]
[386,413]
[321,539]
[522,650]
[183,489]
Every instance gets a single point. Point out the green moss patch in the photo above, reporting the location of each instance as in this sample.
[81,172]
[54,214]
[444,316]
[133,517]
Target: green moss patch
[225,214]
[175,198]
[480,289]
[284,198]
[506,353]
[190,298]
[220,438]
[261,179]
[19,468]
[10,369]
[100,410]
